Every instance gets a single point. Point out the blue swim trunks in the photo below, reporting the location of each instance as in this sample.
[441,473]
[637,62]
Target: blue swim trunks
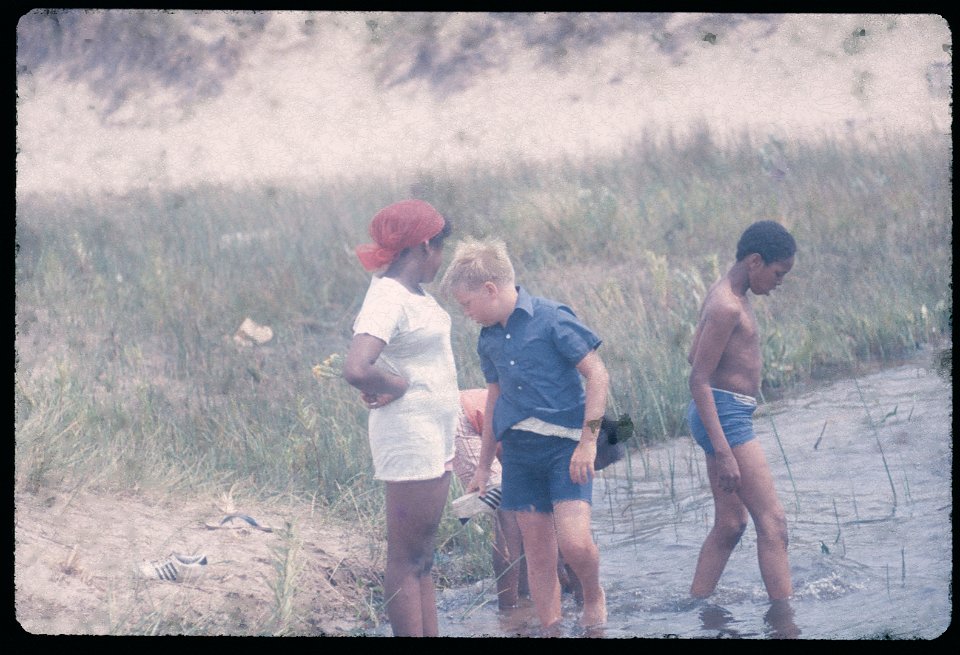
[736,418]
[536,472]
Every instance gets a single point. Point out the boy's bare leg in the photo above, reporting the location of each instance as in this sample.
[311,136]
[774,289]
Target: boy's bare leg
[729,522]
[523,588]
[572,518]
[507,549]
[413,515]
[758,498]
[759,495]
[540,552]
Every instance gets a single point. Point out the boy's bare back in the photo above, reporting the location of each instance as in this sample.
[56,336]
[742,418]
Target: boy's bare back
[726,342]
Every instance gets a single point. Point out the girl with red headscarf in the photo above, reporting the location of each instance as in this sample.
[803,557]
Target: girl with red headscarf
[401,360]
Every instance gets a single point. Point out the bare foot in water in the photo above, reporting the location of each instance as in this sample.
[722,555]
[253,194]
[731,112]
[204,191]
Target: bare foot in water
[595,614]
[552,630]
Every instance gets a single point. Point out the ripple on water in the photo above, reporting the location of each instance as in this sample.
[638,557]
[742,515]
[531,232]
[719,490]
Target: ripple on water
[833,585]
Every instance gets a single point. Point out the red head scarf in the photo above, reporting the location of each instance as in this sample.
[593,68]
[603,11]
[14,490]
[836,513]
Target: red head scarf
[396,227]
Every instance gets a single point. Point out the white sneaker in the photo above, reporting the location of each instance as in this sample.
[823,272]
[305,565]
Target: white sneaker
[176,568]
[472,504]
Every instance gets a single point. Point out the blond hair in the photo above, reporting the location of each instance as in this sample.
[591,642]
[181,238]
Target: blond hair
[476,262]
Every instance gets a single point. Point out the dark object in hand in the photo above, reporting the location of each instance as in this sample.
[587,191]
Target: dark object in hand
[610,446]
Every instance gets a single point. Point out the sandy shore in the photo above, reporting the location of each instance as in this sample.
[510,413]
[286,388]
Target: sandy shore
[78,556]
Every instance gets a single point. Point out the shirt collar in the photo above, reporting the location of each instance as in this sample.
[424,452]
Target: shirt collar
[524,301]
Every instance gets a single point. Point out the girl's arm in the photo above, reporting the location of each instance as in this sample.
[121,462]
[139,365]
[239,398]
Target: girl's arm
[378,387]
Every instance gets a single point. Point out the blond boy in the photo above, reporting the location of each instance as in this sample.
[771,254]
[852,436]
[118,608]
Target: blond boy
[533,352]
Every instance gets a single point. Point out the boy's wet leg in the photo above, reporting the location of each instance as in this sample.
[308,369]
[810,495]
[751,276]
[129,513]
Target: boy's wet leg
[759,495]
[572,518]
[729,523]
[540,552]
[507,565]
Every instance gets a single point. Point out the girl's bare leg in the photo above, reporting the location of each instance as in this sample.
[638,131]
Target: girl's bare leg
[413,515]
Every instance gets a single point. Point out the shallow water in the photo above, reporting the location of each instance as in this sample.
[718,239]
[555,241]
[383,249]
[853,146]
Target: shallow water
[870,553]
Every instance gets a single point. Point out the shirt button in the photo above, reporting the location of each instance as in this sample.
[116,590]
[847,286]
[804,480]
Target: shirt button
[519,387]
[508,336]
[512,363]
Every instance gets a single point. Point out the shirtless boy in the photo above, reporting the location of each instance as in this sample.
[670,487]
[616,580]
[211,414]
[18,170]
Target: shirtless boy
[724,383]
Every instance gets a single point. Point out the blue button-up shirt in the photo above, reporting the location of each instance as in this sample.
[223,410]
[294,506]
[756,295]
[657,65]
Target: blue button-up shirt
[533,359]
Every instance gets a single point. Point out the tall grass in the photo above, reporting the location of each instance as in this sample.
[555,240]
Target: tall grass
[125,305]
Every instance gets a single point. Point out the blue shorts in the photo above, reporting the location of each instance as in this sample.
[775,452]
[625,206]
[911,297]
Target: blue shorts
[536,472]
[736,418]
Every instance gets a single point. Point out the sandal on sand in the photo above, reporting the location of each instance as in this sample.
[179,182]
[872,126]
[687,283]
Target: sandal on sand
[176,568]
[237,521]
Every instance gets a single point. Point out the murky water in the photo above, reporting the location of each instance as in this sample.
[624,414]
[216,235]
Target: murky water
[863,468]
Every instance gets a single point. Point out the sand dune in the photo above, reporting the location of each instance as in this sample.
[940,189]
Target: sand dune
[306,106]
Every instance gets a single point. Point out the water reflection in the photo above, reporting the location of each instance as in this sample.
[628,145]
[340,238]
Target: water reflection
[779,620]
[718,621]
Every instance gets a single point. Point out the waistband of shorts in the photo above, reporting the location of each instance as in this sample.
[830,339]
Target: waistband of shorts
[537,426]
[520,432]
[750,400]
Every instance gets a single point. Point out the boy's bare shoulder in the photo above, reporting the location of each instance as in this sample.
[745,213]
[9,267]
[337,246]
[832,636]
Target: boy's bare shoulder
[721,302]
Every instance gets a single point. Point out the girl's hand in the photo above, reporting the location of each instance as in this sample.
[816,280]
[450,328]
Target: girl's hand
[378,400]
